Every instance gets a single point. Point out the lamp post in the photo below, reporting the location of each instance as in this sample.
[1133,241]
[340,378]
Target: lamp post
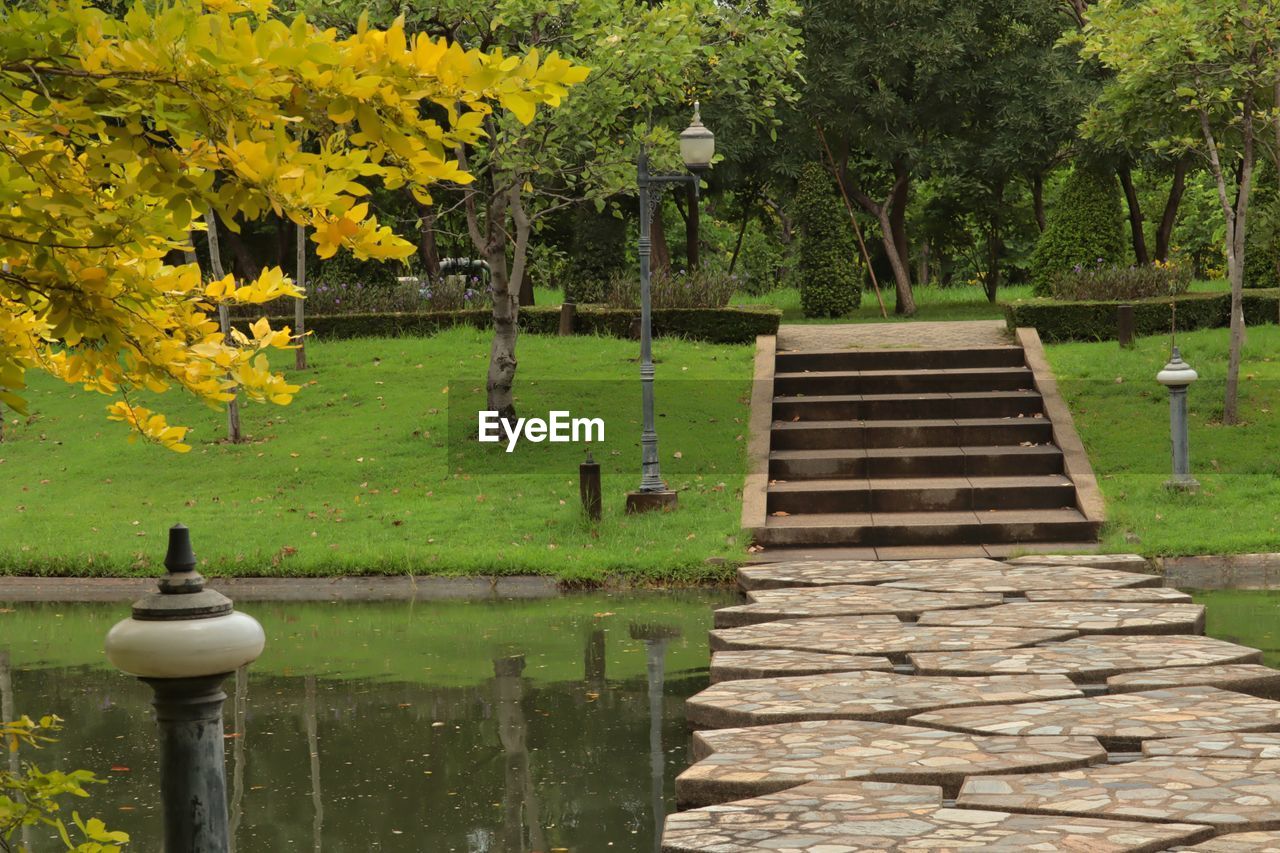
[697,147]
[1177,376]
[184,641]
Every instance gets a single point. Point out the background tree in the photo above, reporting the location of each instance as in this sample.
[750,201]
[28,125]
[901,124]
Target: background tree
[1214,60]
[116,135]
[896,83]
[649,58]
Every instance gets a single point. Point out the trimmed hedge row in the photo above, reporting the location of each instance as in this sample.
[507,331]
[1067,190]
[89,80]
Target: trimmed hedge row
[1096,321]
[714,325]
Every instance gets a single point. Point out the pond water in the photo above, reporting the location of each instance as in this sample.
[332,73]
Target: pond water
[457,727]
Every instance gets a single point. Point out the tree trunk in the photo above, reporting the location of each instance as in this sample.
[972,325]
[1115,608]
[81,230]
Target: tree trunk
[244,262]
[905,304]
[299,311]
[1037,199]
[1135,216]
[898,214]
[224,320]
[660,257]
[1235,215]
[922,272]
[427,249]
[691,230]
[992,282]
[1164,234]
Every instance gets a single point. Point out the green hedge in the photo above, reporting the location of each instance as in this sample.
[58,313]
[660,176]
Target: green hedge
[1096,321]
[715,325]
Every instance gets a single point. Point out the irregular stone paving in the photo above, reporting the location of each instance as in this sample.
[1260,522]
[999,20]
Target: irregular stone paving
[1241,842]
[875,635]
[772,605]
[1020,579]
[1126,594]
[1087,617]
[828,573]
[737,763]
[1226,745]
[780,663]
[1228,794]
[1089,660]
[996,700]
[880,696]
[1120,722]
[1251,678]
[853,817]
[1125,562]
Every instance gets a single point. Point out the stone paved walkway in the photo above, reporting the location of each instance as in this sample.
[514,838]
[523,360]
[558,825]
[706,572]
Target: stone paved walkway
[1064,703]
[937,335]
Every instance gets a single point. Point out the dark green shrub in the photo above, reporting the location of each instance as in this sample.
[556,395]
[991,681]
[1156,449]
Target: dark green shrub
[1262,249]
[830,284]
[1096,321]
[1085,227]
[760,262]
[597,252]
[1121,283]
[700,289]
[715,325]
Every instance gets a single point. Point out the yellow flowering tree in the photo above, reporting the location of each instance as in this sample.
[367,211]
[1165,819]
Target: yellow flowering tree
[118,135]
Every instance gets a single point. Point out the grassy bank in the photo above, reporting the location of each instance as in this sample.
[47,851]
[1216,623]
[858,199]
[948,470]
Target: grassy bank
[373,470]
[1122,415]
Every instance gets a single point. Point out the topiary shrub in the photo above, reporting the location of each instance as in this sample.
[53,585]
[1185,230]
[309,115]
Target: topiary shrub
[597,253]
[1085,228]
[1262,249]
[760,261]
[830,283]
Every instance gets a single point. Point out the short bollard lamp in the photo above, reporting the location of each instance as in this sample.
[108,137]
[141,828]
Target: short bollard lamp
[1177,376]
[184,641]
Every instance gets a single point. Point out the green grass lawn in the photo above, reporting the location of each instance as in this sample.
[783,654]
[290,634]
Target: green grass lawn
[370,470]
[1122,415]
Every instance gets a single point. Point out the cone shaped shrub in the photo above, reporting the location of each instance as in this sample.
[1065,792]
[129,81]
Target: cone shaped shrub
[829,278]
[1085,228]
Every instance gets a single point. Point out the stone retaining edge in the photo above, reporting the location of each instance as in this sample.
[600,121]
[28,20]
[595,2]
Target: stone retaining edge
[1075,461]
[755,487]
[400,588]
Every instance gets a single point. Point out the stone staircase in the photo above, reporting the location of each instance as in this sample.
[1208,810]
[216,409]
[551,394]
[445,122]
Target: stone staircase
[916,448]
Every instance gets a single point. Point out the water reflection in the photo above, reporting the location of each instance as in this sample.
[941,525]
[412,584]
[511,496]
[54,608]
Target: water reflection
[453,727]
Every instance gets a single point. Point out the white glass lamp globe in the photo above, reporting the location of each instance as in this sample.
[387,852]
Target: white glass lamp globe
[1177,373]
[697,143]
[185,648]
[183,630]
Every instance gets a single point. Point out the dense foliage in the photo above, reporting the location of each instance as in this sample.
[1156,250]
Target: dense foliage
[119,135]
[830,283]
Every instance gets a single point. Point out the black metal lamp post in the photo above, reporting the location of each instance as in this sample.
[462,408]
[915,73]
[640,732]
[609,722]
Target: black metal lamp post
[184,641]
[697,147]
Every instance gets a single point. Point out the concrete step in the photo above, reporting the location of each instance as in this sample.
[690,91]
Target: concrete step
[900,359]
[973,404]
[945,432]
[934,494]
[903,381]
[884,529]
[889,463]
